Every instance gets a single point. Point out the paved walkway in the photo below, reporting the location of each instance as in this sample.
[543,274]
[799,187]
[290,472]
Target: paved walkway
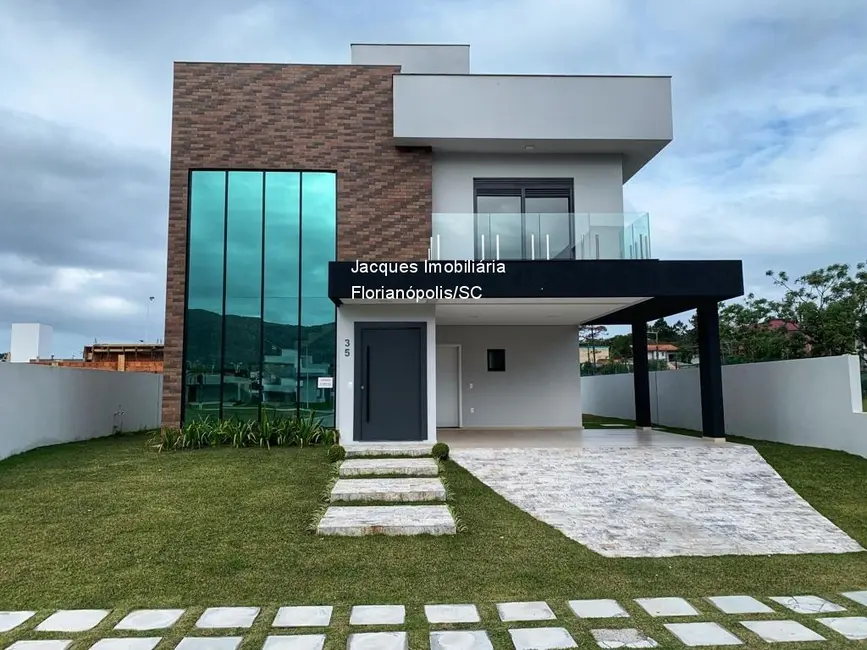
[716,499]
[531,625]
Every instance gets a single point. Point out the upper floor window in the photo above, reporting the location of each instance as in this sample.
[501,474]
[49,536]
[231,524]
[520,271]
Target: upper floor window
[524,218]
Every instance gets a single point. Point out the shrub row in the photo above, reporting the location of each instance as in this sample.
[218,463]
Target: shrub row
[266,432]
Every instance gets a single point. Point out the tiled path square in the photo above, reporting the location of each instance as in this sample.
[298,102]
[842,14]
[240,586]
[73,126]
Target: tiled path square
[602,608]
[807,604]
[623,638]
[740,605]
[526,611]
[859,597]
[227,617]
[853,628]
[40,645]
[377,615]
[209,643]
[150,619]
[303,616]
[295,642]
[699,634]
[542,638]
[451,613]
[73,620]
[667,607]
[378,641]
[126,644]
[460,640]
[11,620]
[774,631]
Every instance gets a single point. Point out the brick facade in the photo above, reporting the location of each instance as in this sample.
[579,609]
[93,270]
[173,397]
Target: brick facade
[294,117]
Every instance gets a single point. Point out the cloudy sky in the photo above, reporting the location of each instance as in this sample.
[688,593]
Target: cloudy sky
[769,162]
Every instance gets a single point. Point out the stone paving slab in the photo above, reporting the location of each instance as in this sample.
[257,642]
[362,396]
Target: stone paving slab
[407,449]
[702,634]
[295,642]
[73,620]
[388,489]
[378,641]
[138,643]
[707,500]
[460,640]
[209,643]
[807,604]
[451,613]
[41,645]
[859,597]
[377,615]
[227,617]
[525,611]
[597,608]
[542,638]
[622,638]
[355,521]
[853,628]
[303,616]
[149,619]
[781,631]
[740,605]
[11,620]
[381,466]
[666,607]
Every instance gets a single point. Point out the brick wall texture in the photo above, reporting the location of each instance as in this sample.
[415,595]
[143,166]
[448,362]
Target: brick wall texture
[294,117]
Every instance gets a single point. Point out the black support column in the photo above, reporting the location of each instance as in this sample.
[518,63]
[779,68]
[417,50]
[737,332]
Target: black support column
[710,372]
[641,375]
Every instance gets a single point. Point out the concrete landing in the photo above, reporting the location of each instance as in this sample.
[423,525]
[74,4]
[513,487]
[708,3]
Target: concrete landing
[388,489]
[356,521]
[406,449]
[386,466]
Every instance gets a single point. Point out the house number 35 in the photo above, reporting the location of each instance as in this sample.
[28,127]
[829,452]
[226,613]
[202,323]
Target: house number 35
[346,345]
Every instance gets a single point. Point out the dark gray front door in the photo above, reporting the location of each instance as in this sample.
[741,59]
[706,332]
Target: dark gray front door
[390,381]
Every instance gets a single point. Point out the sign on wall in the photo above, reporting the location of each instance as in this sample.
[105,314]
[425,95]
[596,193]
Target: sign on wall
[325,382]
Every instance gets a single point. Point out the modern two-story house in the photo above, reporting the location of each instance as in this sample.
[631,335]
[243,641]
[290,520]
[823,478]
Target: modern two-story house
[401,246]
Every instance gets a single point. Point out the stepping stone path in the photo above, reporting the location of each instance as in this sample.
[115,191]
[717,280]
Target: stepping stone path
[384,474]
[531,625]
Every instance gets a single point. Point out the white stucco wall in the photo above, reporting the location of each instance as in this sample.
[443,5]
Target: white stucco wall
[541,386]
[598,191]
[42,405]
[347,316]
[808,402]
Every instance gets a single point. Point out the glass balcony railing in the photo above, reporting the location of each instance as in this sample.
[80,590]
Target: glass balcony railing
[547,236]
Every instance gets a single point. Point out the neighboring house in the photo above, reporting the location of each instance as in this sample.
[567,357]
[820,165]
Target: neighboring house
[662,352]
[588,353]
[122,357]
[432,237]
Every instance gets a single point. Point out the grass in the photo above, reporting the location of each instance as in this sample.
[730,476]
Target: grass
[107,523]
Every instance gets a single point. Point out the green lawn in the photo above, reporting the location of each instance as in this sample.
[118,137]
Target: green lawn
[109,523]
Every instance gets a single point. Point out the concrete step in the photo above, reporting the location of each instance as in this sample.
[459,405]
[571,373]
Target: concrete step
[407,449]
[388,489]
[384,466]
[357,521]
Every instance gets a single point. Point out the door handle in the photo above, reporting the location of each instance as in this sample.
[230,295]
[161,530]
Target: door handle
[367,382]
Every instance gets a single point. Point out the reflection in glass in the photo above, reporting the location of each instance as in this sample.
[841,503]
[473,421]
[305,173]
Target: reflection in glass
[204,314]
[245,347]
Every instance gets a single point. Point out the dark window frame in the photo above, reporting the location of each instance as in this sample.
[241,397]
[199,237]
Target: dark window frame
[496,358]
[524,188]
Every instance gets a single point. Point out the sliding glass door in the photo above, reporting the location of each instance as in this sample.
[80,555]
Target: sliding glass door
[527,219]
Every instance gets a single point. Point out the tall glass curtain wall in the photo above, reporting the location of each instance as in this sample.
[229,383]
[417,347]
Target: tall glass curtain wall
[260,328]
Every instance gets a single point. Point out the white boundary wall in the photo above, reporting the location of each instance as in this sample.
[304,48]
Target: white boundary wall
[808,402]
[45,405]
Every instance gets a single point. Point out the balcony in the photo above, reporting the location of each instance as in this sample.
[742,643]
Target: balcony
[547,236]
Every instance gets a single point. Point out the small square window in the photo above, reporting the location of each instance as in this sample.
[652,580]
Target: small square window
[496,360]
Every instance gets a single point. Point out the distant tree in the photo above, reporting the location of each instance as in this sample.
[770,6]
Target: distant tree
[620,346]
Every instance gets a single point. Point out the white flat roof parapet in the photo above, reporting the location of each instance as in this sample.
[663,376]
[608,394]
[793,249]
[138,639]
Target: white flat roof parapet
[425,59]
[631,116]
